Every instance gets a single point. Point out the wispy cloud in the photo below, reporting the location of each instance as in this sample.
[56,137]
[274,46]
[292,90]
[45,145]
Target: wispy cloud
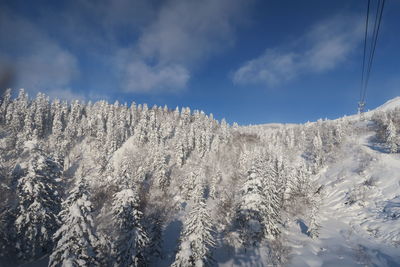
[324,47]
[137,76]
[183,35]
[40,63]
[145,46]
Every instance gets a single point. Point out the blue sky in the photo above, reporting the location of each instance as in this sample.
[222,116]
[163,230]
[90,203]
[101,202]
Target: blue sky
[248,61]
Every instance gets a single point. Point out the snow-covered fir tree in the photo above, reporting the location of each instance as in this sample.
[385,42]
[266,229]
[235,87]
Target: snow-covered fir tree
[7,237]
[391,137]
[216,178]
[190,181]
[76,242]
[317,153]
[196,240]
[155,223]
[39,200]
[5,102]
[256,214]
[132,239]
[274,188]
[135,173]
[161,172]
[314,226]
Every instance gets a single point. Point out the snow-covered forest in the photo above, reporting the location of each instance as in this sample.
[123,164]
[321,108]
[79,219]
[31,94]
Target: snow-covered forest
[99,184]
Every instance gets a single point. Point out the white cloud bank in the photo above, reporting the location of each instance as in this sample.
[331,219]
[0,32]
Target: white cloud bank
[183,35]
[137,76]
[147,46]
[323,48]
[41,64]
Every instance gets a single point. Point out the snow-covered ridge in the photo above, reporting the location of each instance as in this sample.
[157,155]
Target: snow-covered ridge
[389,105]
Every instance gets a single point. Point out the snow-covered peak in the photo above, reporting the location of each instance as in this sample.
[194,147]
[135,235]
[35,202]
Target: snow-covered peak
[391,104]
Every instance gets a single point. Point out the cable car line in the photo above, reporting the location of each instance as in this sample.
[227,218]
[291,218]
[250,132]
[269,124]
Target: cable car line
[366,70]
[365,50]
[375,39]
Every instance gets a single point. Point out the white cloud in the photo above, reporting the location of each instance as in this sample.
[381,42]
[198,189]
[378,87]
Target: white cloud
[173,37]
[47,67]
[324,47]
[270,68]
[189,30]
[140,77]
[95,26]
[162,42]
[40,63]
[183,35]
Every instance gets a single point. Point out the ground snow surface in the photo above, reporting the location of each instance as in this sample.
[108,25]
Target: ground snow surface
[360,210]
[391,104]
[359,214]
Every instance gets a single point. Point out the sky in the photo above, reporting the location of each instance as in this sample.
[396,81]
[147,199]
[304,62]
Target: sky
[248,61]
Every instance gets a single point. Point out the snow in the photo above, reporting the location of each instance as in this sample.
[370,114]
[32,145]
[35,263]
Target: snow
[30,145]
[347,214]
[392,208]
[75,210]
[359,233]
[389,105]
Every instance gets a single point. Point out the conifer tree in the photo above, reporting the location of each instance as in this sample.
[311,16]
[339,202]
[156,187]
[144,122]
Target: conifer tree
[132,239]
[189,184]
[111,137]
[38,205]
[252,207]
[317,150]
[161,172]
[76,241]
[275,186]
[391,137]
[196,240]
[29,124]
[155,227]
[58,126]
[216,178]
[5,101]
[179,153]
[41,116]
[258,210]
[314,227]
[7,237]
[18,113]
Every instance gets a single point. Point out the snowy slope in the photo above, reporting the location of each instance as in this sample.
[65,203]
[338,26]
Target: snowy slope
[325,193]
[360,210]
[359,214]
[391,104]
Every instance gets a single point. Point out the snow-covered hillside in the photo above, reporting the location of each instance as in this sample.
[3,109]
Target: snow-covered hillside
[117,185]
[360,209]
[390,105]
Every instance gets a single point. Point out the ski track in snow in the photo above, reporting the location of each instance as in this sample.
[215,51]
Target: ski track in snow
[359,233]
